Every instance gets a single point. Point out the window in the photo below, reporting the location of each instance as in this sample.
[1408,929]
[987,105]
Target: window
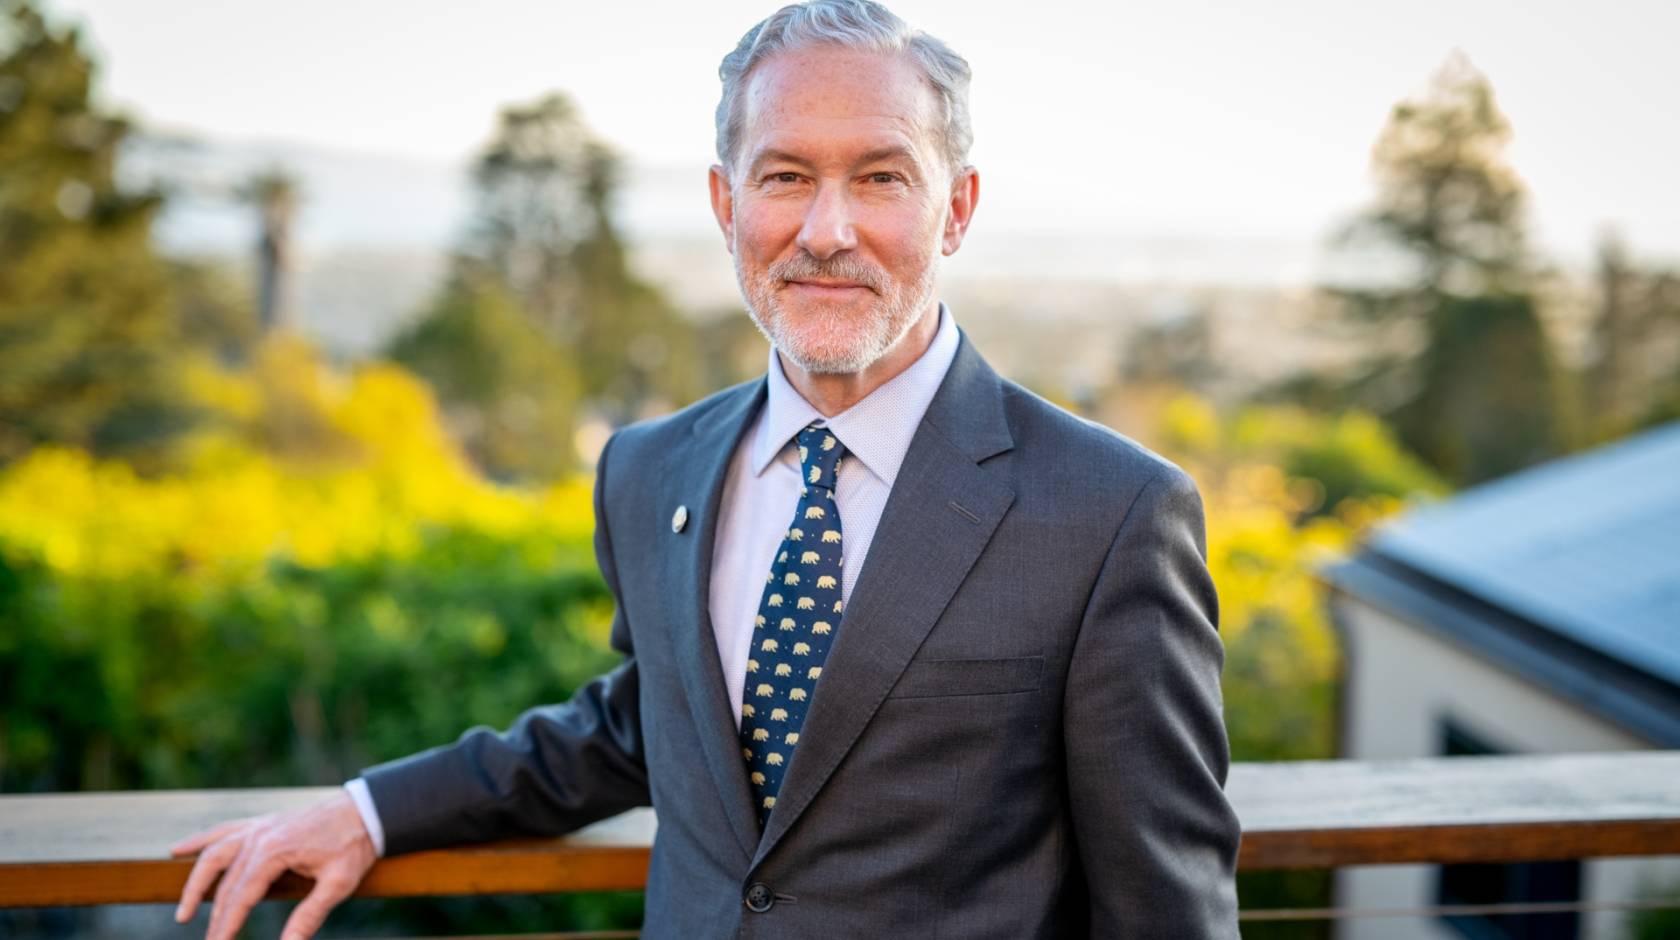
[1524,883]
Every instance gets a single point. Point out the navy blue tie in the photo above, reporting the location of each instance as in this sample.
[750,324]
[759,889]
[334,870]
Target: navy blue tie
[797,618]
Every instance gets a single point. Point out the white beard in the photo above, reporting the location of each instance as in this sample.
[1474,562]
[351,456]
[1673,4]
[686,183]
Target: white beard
[817,341]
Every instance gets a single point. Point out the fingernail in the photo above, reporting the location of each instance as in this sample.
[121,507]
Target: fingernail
[180,915]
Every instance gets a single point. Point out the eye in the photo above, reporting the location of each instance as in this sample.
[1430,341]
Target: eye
[883,177]
[783,177]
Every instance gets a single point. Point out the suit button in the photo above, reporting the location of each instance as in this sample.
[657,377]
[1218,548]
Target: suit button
[759,899]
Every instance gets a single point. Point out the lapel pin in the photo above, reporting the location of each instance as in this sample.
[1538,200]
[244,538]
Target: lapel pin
[679,519]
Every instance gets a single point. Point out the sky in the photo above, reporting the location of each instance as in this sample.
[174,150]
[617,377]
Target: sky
[1240,122]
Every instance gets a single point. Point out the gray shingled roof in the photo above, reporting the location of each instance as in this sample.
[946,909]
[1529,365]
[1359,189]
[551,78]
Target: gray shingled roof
[1587,546]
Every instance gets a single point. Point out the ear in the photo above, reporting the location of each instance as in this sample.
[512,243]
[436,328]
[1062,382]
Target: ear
[723,205]
[965,195]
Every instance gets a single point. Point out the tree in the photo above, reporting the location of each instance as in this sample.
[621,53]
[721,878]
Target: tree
[541,317]
[509,392]
[1438,277]
[275,194]
[1631,379]
[87,326]
[544,190]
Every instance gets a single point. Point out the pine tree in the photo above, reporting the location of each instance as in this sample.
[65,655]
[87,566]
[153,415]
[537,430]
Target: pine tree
[1438,278]
[543,248]
[86,324]
[544,188]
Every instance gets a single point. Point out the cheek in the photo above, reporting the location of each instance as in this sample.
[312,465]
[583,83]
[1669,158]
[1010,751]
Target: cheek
[763,231]
[906,239]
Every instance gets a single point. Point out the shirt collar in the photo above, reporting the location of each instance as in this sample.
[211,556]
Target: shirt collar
[876,430]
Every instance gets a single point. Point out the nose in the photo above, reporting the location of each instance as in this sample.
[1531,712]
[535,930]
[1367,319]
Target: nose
[828,223]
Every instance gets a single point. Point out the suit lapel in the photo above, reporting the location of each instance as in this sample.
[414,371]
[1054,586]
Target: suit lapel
[696,473]
[941,513]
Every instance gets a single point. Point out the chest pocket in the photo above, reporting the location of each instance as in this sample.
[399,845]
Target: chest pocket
[927,678]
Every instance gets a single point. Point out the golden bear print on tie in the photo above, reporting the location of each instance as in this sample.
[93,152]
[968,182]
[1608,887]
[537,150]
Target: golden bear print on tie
[793,600]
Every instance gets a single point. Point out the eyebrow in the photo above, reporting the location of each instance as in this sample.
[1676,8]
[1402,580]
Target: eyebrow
[877,155]
[776,156]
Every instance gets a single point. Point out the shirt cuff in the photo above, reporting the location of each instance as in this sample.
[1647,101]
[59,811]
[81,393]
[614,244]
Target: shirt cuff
[370,814]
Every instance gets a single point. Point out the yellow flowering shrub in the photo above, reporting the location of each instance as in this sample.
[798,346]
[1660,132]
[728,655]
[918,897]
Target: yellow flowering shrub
[1285,492]
[235,506]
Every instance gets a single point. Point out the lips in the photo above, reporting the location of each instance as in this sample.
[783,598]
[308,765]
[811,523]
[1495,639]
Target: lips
[828,287]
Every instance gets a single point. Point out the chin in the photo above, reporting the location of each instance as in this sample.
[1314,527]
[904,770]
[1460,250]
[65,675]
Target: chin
[828,355]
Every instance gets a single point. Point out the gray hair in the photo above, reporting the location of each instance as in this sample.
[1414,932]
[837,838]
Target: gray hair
[853,24]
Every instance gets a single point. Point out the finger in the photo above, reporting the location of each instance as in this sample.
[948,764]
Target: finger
[199,840]
[312,912]
[223,897]
[258,874]
[204,871]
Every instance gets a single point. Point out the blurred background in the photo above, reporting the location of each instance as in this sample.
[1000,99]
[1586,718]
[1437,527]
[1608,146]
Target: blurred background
[314,316]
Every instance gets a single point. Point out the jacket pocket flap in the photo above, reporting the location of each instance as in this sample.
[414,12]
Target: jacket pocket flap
[925,678]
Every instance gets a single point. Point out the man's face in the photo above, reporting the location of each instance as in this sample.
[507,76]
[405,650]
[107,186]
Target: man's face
[836,212]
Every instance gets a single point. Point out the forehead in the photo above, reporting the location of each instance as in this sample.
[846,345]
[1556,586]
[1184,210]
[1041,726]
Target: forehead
[829,99]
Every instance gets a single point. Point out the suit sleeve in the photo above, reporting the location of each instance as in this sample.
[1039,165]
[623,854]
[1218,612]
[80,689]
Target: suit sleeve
[559,767]
[1144,732]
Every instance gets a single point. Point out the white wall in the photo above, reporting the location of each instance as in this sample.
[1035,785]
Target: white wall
[1401,684]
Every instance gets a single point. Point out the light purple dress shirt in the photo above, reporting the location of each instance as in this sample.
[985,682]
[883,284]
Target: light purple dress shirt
[762,489]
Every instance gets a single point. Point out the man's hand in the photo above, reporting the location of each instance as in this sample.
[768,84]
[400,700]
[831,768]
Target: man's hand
[325,841]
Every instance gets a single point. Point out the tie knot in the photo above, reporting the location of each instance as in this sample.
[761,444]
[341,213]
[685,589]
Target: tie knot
[819,455]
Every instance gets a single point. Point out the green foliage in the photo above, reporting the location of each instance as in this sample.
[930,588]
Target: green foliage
[1284,491]
[1631,379]
[1449,209]
[87,330]
[1491,401]
[1349,456]
[296,675]
[214,309]
[301,675]
[510,392]
[1439,283]
[1660,923]
[321,585]
[543,248]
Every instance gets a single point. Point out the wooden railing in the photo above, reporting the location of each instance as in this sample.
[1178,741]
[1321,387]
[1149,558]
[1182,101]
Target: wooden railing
[108,848]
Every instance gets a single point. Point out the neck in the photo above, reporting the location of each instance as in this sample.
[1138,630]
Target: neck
[833,392]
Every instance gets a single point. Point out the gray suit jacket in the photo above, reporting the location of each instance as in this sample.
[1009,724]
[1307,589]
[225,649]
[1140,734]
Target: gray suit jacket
[1017,734]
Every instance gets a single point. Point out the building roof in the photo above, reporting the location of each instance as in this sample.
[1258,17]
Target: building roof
[1577,559]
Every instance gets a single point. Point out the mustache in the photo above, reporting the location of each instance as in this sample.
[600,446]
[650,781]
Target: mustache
[841,267]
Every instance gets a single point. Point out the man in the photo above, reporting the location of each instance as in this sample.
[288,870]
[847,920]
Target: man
[908,651]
